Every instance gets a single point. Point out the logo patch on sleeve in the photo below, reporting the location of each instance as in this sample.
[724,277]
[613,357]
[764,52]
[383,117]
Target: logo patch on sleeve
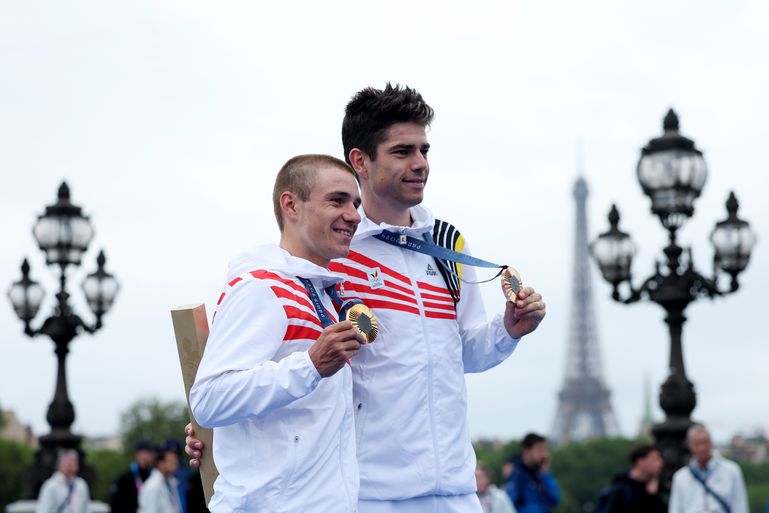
[431,270]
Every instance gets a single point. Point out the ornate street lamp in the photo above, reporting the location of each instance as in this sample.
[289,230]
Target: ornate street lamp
[672,172]
[63,234]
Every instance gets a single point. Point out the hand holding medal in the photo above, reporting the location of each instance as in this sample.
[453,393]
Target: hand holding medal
[522,314]
[364,320]
[511,283]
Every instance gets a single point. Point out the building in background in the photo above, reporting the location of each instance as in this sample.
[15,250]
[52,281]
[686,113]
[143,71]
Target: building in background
[584,407]
[15,431]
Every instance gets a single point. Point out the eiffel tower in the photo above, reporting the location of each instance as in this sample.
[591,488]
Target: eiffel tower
[584,409]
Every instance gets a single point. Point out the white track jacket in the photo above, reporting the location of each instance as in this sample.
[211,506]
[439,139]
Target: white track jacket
[408,386]
[283,437]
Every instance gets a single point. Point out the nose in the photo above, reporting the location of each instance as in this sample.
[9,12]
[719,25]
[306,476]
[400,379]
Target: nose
[351,214]
[419,162]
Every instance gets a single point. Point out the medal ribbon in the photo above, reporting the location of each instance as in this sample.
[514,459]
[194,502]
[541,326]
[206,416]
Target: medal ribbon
[341,305]
[428,247]
[323,316]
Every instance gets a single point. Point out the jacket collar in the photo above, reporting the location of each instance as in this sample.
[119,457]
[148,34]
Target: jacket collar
[423,221]
[276,259]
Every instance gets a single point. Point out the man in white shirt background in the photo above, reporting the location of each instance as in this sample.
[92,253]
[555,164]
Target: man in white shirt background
[709,483]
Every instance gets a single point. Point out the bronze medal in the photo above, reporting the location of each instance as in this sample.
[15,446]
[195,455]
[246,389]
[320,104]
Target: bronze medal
[511,283]
[364,321]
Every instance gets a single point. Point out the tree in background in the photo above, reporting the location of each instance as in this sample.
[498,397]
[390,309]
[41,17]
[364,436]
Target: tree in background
[108,463]
[154,420]
[145,419]
[757,481]
[14,458]
[584,469]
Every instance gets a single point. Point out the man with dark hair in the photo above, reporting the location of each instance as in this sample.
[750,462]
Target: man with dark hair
[414,447]
[636,491]
[413,442]
[160,493]
[124,496]
[275,382]
[530,485]
[709,482]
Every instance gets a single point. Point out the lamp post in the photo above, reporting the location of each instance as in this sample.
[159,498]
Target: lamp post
[63,234]
[672,172]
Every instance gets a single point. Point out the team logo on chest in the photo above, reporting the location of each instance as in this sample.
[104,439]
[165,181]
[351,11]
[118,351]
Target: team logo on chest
[375,280]
[431,271]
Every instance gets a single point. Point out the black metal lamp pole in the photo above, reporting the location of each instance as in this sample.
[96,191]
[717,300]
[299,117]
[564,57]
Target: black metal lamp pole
[672,172]
[63,233]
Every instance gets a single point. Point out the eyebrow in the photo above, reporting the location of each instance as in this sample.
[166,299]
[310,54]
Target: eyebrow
[404,146]
[342,195]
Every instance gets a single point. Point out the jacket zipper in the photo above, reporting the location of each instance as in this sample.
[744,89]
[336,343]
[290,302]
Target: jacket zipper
[430,399]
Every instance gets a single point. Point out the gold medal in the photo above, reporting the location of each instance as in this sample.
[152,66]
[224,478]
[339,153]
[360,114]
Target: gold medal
[364,321]
[511,283]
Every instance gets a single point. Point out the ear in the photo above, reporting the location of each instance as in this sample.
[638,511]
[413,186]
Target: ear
[289,204]
[358,160]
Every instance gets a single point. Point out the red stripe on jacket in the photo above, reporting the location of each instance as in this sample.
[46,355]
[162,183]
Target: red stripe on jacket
[433,288]
[390,305]
[294,332]
[293,312]
[267,275]
[286,294]
[357,287]
[368,262]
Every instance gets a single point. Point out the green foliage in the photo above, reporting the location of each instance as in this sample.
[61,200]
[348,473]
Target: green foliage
[108,464]
[15,458]
[153,420]
[495,456]
[757,480]
[584,469]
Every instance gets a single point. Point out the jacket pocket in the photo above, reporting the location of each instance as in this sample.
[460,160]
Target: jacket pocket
[291,463]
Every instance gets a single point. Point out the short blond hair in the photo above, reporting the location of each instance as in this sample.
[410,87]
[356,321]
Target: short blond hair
[299,176]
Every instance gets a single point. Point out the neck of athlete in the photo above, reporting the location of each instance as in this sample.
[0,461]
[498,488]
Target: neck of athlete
[384,211]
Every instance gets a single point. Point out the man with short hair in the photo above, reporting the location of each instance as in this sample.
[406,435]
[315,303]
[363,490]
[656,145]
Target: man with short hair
[530,485]
[637,491]
[709,483]
[160,492]
[275,382]
[64,491]
[124,494]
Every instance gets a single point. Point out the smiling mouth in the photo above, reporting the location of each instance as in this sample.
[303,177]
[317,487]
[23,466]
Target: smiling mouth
[347,233]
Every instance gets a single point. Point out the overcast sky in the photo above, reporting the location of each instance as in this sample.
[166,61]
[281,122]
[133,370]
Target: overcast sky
[169,120]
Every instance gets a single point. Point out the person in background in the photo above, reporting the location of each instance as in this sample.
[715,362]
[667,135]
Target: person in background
[493,500]
[637,491]
[64,491]
[160,493]
[124,496]
[530,485]
[182,472]
[709,482]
